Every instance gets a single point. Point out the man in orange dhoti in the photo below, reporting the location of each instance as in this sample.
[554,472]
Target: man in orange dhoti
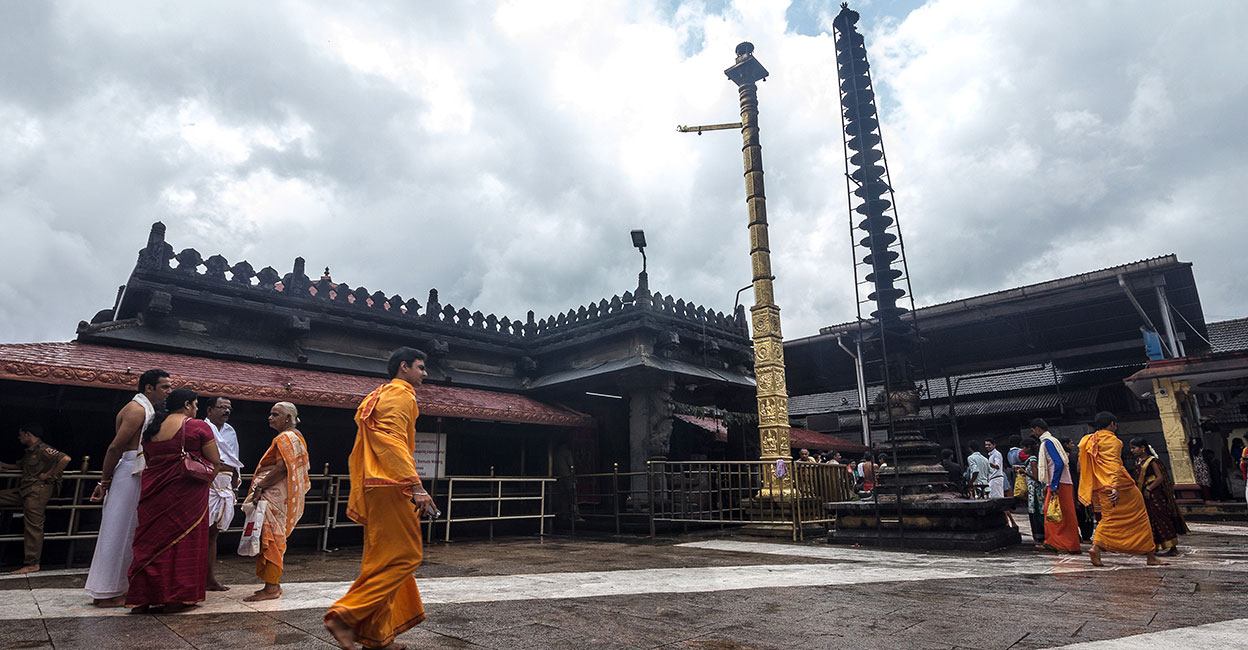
[388,499]
[1103,480]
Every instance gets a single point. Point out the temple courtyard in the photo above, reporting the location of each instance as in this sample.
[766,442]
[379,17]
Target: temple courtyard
[707,591]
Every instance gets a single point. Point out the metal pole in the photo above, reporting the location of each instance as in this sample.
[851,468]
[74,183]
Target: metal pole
[650,489]
[450,501]
[1167,319]
[953,422]
[615,494]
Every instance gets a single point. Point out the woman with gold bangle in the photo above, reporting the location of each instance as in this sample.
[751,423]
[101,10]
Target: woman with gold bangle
[281,481]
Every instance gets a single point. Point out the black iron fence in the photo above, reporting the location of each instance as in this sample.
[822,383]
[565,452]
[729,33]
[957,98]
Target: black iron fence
[668,494]
[711,493]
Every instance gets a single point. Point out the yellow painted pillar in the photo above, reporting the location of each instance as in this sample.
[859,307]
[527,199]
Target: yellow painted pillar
[1170,396]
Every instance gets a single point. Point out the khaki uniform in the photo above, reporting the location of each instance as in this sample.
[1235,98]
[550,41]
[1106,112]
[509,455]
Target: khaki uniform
[33,495]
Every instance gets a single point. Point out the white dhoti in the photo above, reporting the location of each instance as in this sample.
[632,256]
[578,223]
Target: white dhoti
[113,546]
[996,488]
[221,502]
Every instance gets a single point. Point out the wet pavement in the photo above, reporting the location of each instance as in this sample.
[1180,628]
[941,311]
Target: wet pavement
[717,591]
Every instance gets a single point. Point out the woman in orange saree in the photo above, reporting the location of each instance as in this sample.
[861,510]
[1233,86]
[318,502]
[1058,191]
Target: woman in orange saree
[171,540]
[1124,526]
[281,480]
[1054,468]
[1153,479]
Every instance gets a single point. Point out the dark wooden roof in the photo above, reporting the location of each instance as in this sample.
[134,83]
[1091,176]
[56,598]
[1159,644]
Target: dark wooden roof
[1080,321]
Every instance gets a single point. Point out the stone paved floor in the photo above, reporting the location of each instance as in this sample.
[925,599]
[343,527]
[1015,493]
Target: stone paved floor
[708,592]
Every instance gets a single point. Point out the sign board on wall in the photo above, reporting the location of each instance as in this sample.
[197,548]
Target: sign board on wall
[430,455]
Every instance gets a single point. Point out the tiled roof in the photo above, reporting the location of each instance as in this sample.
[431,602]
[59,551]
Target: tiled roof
[1009,379]
[807,439]
[713,425]
[1229,335]
[119,368]
[1017,404]
[964,402]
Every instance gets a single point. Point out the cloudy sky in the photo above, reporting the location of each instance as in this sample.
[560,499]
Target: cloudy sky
[501,151]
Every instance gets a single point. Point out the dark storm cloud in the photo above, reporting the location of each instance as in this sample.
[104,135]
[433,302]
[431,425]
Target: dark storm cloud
[501,152]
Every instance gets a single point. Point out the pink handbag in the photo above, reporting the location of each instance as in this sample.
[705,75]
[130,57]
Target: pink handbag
[193,466]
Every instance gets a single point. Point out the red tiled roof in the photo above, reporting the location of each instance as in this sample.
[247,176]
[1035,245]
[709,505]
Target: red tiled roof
[109,367]
[807,439]
[716,427]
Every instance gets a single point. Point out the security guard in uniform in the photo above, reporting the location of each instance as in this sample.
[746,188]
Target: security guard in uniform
[41,468]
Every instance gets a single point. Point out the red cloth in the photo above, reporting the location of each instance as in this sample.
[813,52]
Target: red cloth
[171,542]
[1062,535]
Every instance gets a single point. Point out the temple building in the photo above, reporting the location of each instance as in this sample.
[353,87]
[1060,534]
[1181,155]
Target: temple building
[1060,350]
[606,377]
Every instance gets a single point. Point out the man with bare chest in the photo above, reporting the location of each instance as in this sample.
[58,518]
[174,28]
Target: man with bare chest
[119,489]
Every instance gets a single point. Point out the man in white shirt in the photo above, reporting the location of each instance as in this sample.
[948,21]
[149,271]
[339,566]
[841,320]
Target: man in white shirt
[996,471]
[221,494]
[996,478]
[977,471]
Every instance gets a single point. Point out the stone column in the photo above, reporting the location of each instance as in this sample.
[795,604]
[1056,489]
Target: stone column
[649,432]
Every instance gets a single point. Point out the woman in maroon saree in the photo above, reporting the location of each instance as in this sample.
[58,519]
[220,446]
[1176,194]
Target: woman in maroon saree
[171,542]
[1154,481]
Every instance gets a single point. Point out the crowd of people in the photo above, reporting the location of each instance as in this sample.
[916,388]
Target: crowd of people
[170,480]
[169,487]
[1080,493]
[1073,493]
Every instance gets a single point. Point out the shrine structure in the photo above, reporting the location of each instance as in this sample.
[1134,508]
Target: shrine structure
[606,377]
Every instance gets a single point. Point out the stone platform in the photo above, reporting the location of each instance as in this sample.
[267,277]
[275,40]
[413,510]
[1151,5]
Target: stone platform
[924,523]
[696,592]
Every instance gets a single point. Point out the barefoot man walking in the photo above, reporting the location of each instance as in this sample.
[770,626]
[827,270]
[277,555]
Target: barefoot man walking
[221,493]
[1103,481]
[388,499]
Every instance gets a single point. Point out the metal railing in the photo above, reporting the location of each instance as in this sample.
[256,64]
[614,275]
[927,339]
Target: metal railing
[465,499]
[485,498]
[74,500]
[668,492]
[711,493]
[608,497]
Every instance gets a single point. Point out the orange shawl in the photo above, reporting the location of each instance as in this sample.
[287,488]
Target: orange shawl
[291,448]
[384,441]
[1100,466]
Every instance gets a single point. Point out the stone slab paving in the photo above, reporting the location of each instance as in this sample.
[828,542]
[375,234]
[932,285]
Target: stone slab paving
[708,592]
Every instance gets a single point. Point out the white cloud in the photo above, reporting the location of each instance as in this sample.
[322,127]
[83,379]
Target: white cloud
[514,144]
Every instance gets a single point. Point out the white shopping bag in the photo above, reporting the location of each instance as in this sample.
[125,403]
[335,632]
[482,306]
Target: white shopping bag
[249,545]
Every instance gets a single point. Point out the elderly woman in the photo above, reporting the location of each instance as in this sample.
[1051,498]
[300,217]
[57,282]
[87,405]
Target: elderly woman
[281,480]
